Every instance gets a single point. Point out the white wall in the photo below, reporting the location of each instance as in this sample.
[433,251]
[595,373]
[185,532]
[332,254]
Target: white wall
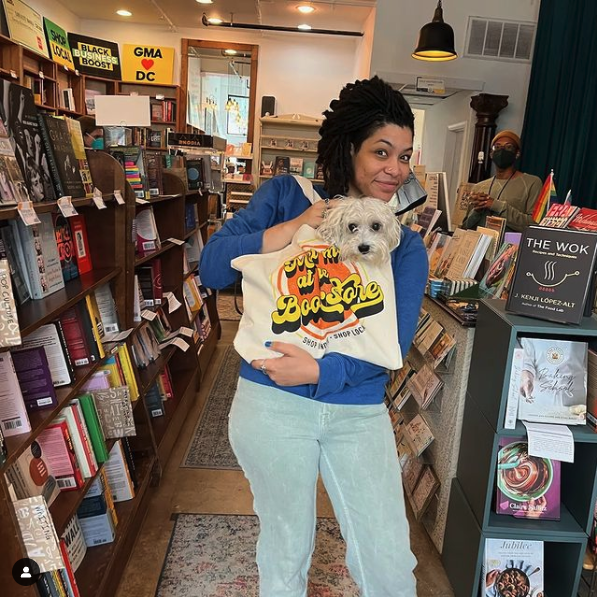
[57,13]
[396,32]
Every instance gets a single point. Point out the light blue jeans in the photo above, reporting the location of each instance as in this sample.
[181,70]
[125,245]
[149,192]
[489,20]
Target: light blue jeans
[283,442]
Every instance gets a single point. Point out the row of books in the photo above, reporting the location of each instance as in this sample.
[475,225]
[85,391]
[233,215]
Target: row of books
[290,165]
[420,483]
[42,257]
[94,524]
[163,110]
[565,215]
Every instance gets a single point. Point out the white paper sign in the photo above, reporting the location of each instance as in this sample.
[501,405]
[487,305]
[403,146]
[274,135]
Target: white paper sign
[176,241]
[149,315]
[173,302]
[118,197]
[178,342]
[141,201]
[65,205]
[27,213]
[98,199]
[117,336]
[550,441]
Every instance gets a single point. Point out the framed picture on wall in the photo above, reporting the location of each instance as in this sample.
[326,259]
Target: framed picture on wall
[237,115]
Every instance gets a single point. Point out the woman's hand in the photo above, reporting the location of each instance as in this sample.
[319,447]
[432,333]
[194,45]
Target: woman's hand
[294,368]
[279,236]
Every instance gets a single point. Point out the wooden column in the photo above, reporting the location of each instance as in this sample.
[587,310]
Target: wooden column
[487,107]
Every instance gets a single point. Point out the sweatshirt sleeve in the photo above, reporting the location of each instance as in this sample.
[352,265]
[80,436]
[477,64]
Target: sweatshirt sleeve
[517,219]
[241,235]
[410,267]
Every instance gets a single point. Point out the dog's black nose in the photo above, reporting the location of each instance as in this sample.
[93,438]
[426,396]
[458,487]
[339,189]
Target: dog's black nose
[364,249]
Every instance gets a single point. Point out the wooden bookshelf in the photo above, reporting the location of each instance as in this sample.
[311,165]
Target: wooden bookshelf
[113,254]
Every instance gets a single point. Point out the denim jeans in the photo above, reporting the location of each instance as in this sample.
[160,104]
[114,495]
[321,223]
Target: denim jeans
[283,442]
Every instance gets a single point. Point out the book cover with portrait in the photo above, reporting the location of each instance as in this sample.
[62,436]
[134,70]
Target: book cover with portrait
[527,486]
[554,273]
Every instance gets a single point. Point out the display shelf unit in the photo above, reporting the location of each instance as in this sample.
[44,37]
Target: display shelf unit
[113,254]
[471,515]
[287,135]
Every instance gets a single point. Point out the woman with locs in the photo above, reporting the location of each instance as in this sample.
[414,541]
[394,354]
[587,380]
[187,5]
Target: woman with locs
[295,417]
[510,194]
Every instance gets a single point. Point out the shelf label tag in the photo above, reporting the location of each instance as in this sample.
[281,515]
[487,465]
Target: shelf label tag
[41,74]
[178,342]
[27,213]
[173,302]
[98,199]
[160,96]
[13,74]
[65,205]
[140,201]
[149,315]
[176,241]
[118,196]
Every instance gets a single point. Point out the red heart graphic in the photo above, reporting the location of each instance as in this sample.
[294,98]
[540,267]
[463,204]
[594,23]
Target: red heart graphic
[147,64]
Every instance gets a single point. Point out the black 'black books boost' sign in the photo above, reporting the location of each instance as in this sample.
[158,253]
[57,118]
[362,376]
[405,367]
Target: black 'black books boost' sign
[554,274]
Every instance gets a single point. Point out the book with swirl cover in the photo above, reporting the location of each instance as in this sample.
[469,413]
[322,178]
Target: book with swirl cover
[554,274]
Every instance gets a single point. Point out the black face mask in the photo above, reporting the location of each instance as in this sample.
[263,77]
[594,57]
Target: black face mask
[503,158]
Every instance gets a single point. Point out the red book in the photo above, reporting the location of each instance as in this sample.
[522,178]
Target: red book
[585,219]
[81,243]
[82,428]
[69,569]
[75,337]
[57,446]
[156,280]
[167,382]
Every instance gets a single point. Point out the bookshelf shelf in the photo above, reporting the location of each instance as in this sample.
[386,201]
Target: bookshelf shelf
[161,198]
[36,313]
[166,246]
[148,375]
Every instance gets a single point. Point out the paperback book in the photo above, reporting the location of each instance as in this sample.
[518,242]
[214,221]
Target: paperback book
[554,274]
[527,486]
[496,281]
[553,381]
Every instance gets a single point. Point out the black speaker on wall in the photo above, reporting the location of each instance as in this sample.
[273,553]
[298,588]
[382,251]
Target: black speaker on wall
[268,105]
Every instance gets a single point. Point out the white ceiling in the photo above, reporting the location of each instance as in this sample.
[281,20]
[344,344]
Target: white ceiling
[347,15]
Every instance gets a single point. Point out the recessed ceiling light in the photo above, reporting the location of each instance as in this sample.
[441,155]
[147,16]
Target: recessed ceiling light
[230,52]
[124,13]
[205,1]
[215,21]
[304,27]
[305,8]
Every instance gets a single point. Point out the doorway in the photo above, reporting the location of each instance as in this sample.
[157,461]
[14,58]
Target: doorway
[453,158]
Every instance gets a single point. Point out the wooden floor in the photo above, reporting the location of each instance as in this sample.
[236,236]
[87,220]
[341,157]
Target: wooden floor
[227,492]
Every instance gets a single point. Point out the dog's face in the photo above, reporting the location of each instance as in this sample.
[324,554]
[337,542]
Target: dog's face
[362,229]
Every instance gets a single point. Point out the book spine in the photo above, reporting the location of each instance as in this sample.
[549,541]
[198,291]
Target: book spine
[82,425]
[30,259]
[85,320]
[513,389]
[65,351]
[94,427]
[69,570]
[45,137]
[130,461]
[77,474]
[81,244]
[95,325]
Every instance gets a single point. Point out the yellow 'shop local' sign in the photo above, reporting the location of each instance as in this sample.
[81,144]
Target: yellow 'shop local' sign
[147,64]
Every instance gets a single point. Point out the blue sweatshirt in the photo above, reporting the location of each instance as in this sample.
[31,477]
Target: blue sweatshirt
[342,379]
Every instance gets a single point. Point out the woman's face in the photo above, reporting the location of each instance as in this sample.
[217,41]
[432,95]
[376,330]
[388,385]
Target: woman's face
[382,163]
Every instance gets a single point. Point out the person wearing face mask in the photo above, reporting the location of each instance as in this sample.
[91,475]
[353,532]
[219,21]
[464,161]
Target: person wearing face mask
[510,194]
[93,135]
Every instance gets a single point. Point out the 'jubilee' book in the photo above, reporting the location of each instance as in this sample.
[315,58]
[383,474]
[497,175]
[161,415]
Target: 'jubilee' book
[553,274]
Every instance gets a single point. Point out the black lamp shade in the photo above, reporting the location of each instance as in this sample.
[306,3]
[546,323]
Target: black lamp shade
[436,40]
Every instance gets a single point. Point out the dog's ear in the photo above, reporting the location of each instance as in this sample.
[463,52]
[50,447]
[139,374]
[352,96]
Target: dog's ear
[330,230]
[393,232]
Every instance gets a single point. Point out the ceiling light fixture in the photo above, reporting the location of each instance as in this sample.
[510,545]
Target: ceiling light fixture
[436,39]
[305,27]
[305,8]
[124,13]
[205,1]
[230,52]
[210,21]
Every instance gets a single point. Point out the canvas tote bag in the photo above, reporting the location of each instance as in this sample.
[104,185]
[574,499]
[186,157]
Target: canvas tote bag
[305,295]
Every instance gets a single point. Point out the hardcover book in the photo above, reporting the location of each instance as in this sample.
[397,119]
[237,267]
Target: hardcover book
[13,414]
[35,379]
[81,243]
[553,381]
[592,390]
[119,478]
[527,486]
[282,165]
[585,219]
[76,137]
[75,542]
[19,116]
[64,165]
[12,185]
[66,247]
[513,563]
[115,411]
[18,273]
[553,274]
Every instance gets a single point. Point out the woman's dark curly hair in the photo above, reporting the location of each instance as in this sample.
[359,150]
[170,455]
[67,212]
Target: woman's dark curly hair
[362,108]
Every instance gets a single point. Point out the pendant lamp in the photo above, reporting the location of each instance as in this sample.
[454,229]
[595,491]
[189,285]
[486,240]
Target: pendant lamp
[436,39]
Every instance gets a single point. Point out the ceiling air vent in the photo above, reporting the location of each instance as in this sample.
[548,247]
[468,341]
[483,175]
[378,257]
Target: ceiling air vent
[500,40]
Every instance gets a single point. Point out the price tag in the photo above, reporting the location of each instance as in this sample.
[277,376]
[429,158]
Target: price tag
[173,302]
[13,74]
[41,75]
[77,72]
[159,96]
[98,199]
[65,205]
[27,213]
[178,342]
[149,315]
[140,201]
[176,241]
[118,197]
[188,332]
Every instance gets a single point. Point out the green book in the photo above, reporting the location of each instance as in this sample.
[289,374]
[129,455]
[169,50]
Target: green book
[94,426]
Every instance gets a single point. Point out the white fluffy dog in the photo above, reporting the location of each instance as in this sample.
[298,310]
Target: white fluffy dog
[362,229]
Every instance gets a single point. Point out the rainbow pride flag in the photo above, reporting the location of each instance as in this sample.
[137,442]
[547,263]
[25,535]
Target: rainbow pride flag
[548,192]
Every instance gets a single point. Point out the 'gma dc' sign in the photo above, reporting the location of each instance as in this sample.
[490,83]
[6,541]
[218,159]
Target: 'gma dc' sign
[147,64]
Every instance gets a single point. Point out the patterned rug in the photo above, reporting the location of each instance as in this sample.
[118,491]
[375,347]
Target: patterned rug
[209,447]
[226,309]
[214,556]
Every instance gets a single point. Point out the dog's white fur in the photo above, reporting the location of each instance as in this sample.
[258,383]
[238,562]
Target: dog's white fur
[362,228]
